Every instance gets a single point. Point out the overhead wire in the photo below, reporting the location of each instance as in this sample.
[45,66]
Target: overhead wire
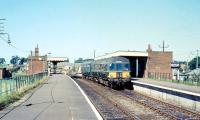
[3,39]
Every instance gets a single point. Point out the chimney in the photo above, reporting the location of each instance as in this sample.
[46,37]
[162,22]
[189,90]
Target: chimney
[37,51]
[149,48]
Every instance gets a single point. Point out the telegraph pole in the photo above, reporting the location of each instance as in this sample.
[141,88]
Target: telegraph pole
[31,67]
[163,46]
[94,54]
[3,33]
[197,62]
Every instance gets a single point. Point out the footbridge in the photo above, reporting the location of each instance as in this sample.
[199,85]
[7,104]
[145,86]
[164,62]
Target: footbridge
[56,60]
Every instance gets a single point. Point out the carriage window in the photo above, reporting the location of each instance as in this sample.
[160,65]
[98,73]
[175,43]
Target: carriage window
[112,67]
[127,67]
[119,67]
[105,67]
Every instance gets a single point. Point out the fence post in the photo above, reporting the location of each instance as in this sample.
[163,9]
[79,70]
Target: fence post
[18,84]
[161,76]
[22,82]
[6,87]
[10,82]
[29,80]
[25,81]
[13,80]
[1,88]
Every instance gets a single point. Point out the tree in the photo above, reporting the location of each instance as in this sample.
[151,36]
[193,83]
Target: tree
[15,60]
[195,77]
[22,61]
[80,60]
[192,63]
[2,60]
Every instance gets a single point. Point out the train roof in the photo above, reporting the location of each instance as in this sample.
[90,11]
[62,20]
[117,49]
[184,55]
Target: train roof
[113,60]
[88,61]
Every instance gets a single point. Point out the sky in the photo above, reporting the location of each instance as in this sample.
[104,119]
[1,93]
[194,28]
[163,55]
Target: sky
[75,28]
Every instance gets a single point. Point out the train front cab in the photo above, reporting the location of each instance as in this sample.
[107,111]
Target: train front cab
[119,76]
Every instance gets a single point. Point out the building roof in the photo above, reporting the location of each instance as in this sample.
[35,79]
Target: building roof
[63,64]
[3,66]
[59,59]
[124,54]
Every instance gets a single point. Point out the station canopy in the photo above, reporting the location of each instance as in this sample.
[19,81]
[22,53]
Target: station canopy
[123,54]
[58,59]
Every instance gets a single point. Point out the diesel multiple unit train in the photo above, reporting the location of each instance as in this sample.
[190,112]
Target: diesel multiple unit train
[113,72]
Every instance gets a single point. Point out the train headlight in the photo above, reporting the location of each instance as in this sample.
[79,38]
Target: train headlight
[111,76]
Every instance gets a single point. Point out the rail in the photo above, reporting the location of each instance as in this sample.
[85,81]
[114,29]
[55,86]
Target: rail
[161,107]
[195,80]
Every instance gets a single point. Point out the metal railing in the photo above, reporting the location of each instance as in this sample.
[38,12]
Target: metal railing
[190,80]
[159,76]
[20,83]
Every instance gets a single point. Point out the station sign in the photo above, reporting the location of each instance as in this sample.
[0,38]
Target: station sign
[175,65]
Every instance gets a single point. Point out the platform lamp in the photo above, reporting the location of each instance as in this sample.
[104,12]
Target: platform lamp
[49,64]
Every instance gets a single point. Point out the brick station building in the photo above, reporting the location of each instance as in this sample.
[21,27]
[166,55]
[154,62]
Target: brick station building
[147,64]
[37,63]
[159,64]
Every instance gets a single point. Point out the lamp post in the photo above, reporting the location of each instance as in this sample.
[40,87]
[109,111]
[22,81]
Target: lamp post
[48,64]
[197,61]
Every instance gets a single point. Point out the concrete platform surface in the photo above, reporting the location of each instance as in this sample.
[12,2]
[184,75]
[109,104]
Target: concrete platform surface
[188,88]
[58,99]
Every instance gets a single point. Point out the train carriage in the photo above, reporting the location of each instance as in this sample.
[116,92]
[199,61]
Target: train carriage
[87,69]
[113,72]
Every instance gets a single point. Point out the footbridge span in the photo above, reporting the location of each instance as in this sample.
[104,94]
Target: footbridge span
[56,60]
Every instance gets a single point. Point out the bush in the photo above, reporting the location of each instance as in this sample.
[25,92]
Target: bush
[6,100]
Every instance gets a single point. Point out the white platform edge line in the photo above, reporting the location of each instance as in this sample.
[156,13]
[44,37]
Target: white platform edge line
[88,100]
[173,89]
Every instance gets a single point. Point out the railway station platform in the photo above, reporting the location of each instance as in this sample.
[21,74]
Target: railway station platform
[60,98]
[181,90]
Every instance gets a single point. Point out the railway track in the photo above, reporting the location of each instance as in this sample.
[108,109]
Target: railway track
[107,109]
[163,108]
[130,115]
[130,109]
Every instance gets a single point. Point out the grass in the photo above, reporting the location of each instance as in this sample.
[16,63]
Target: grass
[6,100]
